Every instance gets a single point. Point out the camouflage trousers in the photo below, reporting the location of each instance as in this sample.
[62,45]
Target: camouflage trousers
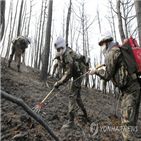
[18,52]
[130,110]
[104,86]
[75,96]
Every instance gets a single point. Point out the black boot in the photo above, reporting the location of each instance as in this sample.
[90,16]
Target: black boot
[70,123]
[85,115]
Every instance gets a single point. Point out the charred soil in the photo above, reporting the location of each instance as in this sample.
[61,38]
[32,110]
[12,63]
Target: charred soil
[17,125]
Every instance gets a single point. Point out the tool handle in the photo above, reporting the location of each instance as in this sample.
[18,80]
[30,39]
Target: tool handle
[47,95]
[100,66]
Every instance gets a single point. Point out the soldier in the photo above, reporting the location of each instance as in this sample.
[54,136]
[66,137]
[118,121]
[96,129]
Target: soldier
[72,68]
[18,48]
[116,70]
[57,65]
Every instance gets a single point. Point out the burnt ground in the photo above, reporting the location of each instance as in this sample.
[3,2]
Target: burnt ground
[17,125]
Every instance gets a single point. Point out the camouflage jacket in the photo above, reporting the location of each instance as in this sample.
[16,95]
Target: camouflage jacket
[71,65]
[21,42]
[116,69]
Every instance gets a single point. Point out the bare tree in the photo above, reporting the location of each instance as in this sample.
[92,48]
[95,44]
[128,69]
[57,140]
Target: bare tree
[138,14]
[9,36]
[99,23]
[68,21]
[47,43]
[42,34]
[112,23]
[20,19]
[38,40]
[2,18]
[29,19]
[120,26]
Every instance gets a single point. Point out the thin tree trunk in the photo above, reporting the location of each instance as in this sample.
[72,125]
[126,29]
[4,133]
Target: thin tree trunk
[120,26]
[2,19]
[9,38]
[21,103]
[29,18]
[41,44]
[114,29]
[138,14]
[20,19]
[98,79]
[38,40]
[83,33]
[47,44]
[68,21]
[125,21]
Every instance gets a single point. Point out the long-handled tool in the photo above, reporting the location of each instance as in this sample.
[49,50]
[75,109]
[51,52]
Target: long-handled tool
[38,107]
[100,66]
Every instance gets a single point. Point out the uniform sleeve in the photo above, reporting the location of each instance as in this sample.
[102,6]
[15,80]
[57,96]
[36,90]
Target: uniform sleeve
[111,63]
[57,57]
[68,69]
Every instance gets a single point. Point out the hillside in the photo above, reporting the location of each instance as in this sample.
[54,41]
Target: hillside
[17,125]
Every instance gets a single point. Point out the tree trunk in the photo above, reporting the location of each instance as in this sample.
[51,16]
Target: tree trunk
[120,26]
[20,19]
[38,40]
[47,44]
[29,18]
[41,43]
[68,21]
[114,30]
[138,14]
[83,33]
[2,19]
[21,103]
[125,20]
[98,78]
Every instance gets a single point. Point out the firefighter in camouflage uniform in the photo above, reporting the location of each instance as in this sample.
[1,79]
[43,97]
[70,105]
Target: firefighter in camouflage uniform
[18,48]
[72,68]
[116,70]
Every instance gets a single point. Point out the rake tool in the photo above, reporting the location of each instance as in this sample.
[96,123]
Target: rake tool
[38,107]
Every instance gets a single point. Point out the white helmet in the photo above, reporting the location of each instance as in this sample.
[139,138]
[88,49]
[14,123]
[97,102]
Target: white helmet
[60,42]
[29,39]
[105,36]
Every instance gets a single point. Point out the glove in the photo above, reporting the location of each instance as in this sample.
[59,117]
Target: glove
[57,84]
[91,71]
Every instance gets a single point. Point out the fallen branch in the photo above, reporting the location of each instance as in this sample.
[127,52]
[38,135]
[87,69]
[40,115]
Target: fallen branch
[29,111]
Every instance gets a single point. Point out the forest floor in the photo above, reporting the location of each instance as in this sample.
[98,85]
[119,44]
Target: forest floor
[17,125]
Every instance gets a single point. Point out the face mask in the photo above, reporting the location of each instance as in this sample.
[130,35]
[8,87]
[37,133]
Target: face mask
[103,49]
[61,52]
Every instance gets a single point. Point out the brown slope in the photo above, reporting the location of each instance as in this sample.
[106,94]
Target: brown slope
[16,124]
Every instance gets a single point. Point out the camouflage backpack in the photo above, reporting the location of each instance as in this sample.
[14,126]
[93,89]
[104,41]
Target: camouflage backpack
[79,61]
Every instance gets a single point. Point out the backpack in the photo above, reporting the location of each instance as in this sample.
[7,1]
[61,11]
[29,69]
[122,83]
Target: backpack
[18,38]
[132,55]
[79,61]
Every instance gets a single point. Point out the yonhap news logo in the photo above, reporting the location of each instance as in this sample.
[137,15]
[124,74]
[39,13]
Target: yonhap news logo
[95,128]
